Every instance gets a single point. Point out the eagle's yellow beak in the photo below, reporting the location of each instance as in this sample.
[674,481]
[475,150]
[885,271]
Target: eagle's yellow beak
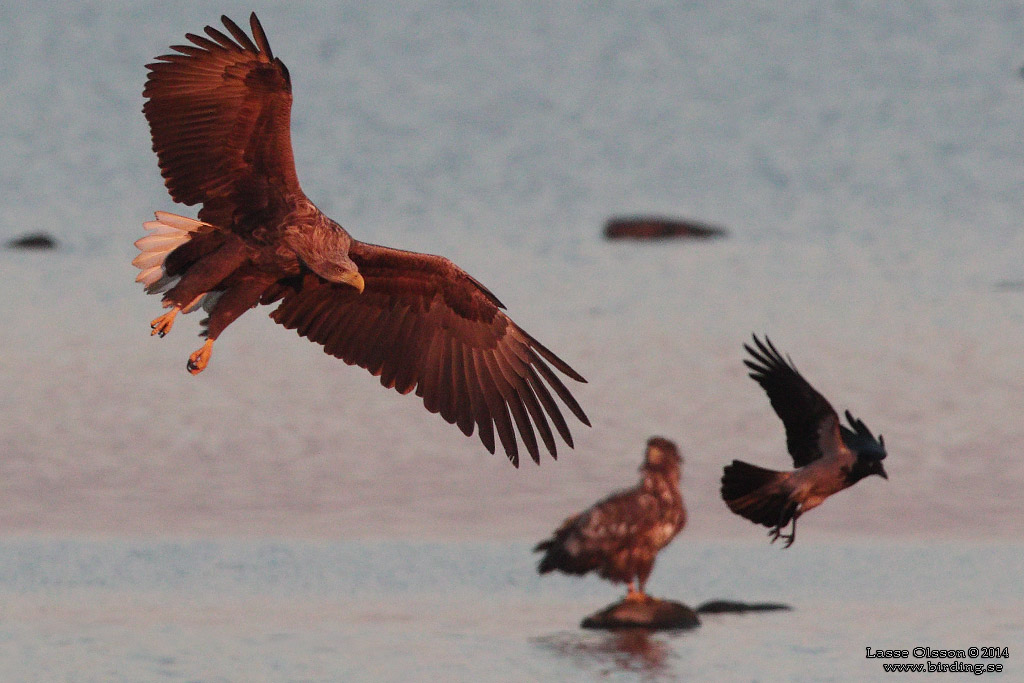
[356,280]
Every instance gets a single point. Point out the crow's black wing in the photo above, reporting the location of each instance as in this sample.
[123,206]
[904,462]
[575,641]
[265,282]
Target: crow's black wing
[812,426]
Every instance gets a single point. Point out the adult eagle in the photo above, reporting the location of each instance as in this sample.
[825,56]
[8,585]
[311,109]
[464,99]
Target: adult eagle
[620,536]
[219,113]
[828,455]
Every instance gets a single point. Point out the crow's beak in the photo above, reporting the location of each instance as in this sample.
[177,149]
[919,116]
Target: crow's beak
[881,472]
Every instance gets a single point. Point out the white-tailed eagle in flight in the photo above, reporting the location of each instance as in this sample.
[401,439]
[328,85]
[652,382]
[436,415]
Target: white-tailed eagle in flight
[219,112]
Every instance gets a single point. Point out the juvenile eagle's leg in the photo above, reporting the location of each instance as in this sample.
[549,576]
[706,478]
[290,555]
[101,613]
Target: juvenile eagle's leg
[640,595]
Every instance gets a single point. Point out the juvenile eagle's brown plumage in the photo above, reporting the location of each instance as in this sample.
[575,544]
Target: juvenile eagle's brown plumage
[620,536]
[219,112]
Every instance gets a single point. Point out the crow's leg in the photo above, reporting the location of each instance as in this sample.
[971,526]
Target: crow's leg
[791,511]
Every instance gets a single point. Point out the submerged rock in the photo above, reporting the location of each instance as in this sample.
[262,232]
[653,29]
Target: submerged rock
[39,240]
[652,614]
[735,607]
[656,614]
[653,227]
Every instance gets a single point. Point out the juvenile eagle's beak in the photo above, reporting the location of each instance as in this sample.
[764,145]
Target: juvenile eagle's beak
[881,472]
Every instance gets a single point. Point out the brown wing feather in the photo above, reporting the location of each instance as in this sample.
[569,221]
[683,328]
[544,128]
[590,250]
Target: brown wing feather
[611,537]
[219,112]
[422,323]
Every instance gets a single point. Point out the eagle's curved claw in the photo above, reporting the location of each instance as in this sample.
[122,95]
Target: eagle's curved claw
[199,359]
[162,325]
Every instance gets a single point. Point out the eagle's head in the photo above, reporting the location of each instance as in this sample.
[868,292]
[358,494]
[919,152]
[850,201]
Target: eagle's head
[324,249]
[343,270]
[662,456]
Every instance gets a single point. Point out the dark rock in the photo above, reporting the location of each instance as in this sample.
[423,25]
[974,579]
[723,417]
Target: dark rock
[734,607]
[653,227]
[652,614]
[37,240]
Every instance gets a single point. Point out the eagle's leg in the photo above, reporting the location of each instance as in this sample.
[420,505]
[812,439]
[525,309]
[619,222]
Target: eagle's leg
[203,275]
[241,294]
[643,573]
[632,594]
[162,325]
[199,359]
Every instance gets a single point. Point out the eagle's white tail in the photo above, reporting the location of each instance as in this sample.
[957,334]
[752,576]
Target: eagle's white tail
[168,232]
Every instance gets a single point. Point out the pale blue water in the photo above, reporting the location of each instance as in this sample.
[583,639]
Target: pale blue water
[868,161]
[234,610]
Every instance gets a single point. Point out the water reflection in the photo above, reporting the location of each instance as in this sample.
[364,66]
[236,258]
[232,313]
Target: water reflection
[609,652]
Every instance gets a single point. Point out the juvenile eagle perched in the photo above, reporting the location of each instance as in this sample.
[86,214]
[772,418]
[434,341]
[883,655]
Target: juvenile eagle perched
[620,536]
[219,112]
[829,456]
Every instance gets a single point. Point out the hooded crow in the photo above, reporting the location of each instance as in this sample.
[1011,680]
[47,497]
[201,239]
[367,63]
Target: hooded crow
[620,536]
[829,456]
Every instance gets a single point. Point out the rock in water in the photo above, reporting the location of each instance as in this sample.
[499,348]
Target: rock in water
[650,614]
[653,227]
[735,607]
[37,240]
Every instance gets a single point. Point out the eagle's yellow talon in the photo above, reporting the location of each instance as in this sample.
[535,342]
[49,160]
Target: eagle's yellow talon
[198,360]
[162,325]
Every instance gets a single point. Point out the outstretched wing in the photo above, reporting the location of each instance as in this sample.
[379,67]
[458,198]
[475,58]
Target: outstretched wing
[812,426]
[422,323]
[219,112]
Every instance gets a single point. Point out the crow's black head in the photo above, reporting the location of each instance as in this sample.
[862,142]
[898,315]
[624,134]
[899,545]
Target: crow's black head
[870,451]
[860,440]
[868,463]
